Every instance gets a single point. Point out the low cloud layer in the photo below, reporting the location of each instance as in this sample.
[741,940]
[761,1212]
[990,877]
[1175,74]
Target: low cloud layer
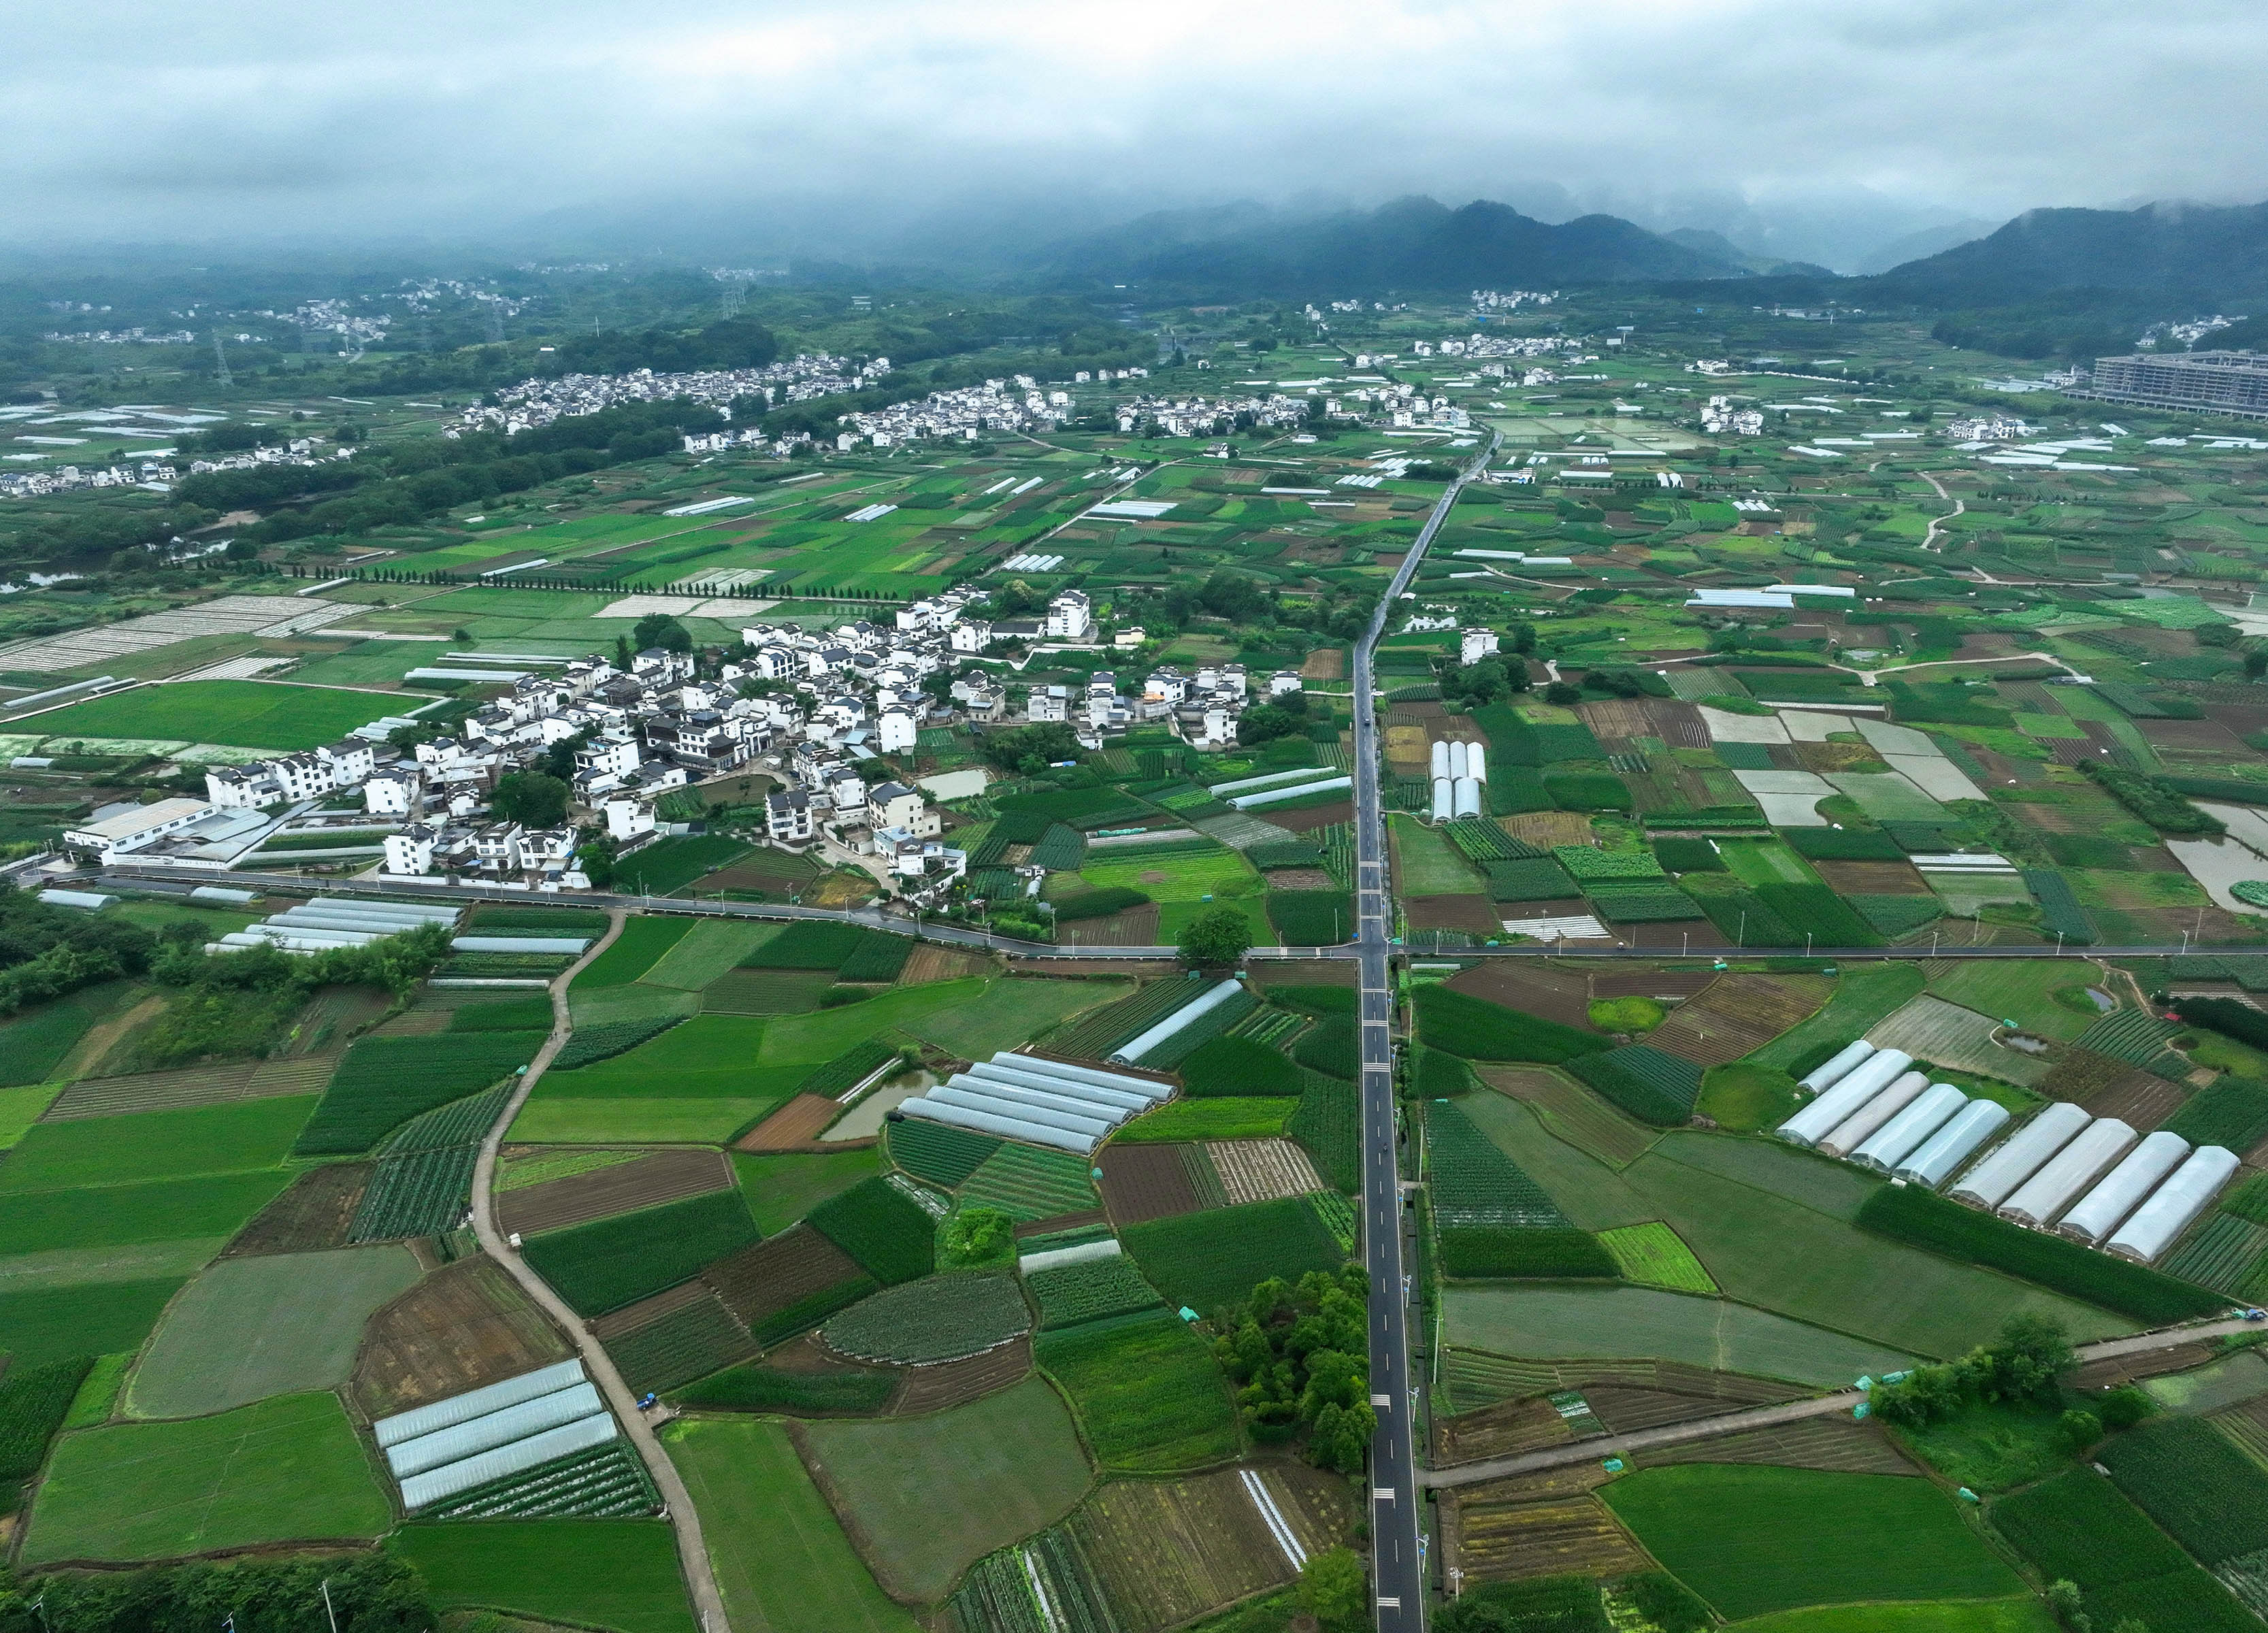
[141,121]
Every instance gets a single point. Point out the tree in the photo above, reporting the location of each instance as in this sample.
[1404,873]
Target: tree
[1031,749]
[2255,663]
[1217,939]
[978,1236]
[2123,1408]
[662,630]
[530,798]
[1264,723]
[1560,692]
[1333,1591]
[2063,1599]
[2080,1428]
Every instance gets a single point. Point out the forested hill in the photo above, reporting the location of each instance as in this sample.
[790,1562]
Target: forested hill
[2207,252]
[1413,243]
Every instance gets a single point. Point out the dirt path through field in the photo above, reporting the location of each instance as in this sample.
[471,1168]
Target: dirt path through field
[684,1518]
[1595,1447]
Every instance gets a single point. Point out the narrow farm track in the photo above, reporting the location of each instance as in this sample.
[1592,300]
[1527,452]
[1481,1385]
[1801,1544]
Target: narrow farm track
[1765,1417]
[684,1518]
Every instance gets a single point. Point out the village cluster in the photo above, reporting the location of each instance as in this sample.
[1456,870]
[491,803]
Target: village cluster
[815,711]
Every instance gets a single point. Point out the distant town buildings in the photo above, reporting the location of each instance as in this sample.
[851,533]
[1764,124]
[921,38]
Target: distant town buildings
[2218,382]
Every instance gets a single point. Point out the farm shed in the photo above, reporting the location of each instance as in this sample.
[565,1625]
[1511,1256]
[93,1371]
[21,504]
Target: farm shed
[1836,1068]
[1860,1126]
[1953,1143]
[1826,1114]
[1137,1047]
[2120,1191]
[1903,1135]
[2183,1196]
[2039,1200]
[1993,1180]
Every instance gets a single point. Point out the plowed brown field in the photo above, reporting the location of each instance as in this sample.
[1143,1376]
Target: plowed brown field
[646,1182]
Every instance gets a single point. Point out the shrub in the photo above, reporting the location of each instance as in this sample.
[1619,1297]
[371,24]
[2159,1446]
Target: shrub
[2153,800]
[1239,1066]
[1910,1215]
[1479,1030]
[878,1224]
[2226,1016]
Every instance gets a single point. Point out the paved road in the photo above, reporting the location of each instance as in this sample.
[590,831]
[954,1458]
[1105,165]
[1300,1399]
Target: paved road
[1837,1405]
[684,1518]
[1397,1567]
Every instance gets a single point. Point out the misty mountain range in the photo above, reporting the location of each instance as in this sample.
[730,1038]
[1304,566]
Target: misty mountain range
[2204,254]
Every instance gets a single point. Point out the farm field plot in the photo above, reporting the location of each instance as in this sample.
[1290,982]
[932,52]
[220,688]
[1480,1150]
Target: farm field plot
[247,714]
[781,1559]
[1029,1183]
[813,1040]
[926,1498]
[1573,1113]
[2025,991]
[466,1325]
[384,1082]
[1946,1034]
[1263,1170]
[1166,1550]
[941,1318]
[641,945]
[1652,1255]
[41,1324]
[615,1573]
[1836,1444]
[612,1119]
[798,1272]
[249,1329]
[1068,1294]
[1862,997]
[1575,1533]
[287,1467]
[1222,1117]
[796,1124]
[707,951]
[1142,1182]
[1425,863]
[2000,1615]
[119,1215]
[1009,1012]
[1206,1260]
[1780,1256]
[154,1145]
[603,1266]
[781,1189]
[1567,1322]
[316,1211]
[1752,1541]
[2077,1526]
[1736,1014]
[673,1338]
[704,1056]
[644,1181]
[956,1383]
[194,1085]
[1146,1391]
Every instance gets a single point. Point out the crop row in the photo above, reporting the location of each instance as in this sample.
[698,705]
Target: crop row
[1166,1056]
[1589,862]
[939,1152]
[606,1482]
[889,1235]
[384,1082]
[1068,1294]
[1094,1037]
[607,1038]
[1910,1215]
[445,1126]
[1030,1183]
[1652,1084]
[1484,842]
[34,1400]
[847,1071]
[1492,1251]
[939,1318]
[1473,1183]
[423,1194]
[1479,1030]
[677,1348]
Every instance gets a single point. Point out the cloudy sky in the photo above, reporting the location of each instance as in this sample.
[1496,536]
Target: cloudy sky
[152,119]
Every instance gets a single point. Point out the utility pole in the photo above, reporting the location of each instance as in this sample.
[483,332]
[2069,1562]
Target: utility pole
[496,321]
[226,380]
[730,300]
